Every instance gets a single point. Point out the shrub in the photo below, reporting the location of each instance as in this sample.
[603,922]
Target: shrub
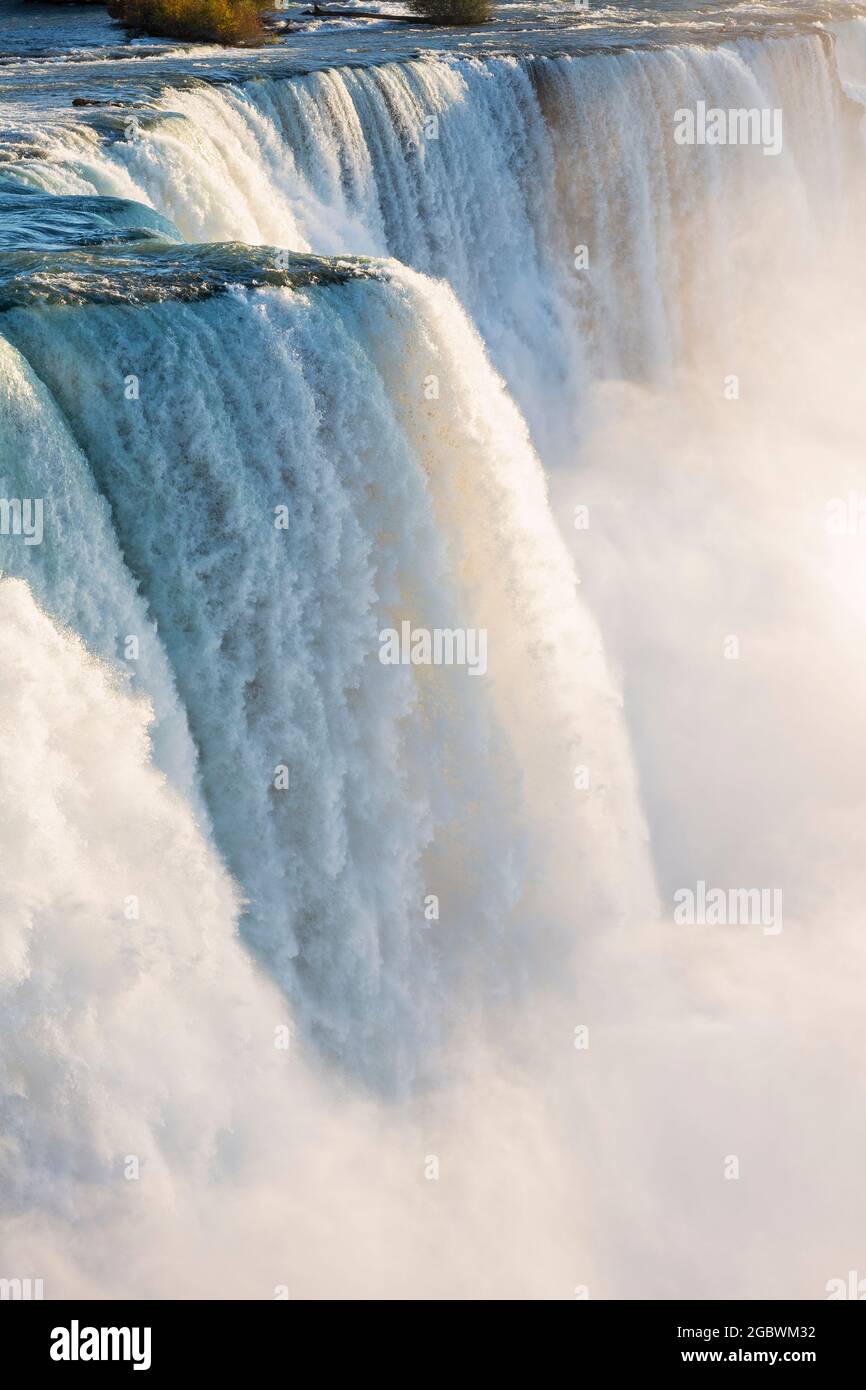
[453,11]
[218,21]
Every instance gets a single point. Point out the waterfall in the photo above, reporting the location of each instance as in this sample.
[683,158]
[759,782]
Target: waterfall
[490,173]
[272,633]
[321,358]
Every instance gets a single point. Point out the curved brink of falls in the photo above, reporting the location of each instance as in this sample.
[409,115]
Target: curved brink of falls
[353,300]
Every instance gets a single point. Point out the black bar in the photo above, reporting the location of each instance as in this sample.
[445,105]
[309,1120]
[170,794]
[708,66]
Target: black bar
[223,1338]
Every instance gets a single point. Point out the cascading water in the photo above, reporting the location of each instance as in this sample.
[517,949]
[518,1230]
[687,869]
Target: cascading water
[266,353]
[272,631]
[489,174]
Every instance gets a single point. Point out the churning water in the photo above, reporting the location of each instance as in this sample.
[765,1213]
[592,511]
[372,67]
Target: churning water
[372,327]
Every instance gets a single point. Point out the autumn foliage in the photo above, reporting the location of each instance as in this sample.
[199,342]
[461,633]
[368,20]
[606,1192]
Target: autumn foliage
[216,21]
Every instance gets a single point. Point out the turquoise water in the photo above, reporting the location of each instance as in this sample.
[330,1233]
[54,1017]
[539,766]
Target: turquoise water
[52,56]
[339,284]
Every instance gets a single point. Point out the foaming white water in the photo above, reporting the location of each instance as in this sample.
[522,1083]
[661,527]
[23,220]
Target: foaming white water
[156,1142]
[707,510]
[491,174]
[85,823]
[851,39]
[77,569]
[428,510]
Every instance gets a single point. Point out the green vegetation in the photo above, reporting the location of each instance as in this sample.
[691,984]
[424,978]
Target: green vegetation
[453,11]
[240,21]
[216,21]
